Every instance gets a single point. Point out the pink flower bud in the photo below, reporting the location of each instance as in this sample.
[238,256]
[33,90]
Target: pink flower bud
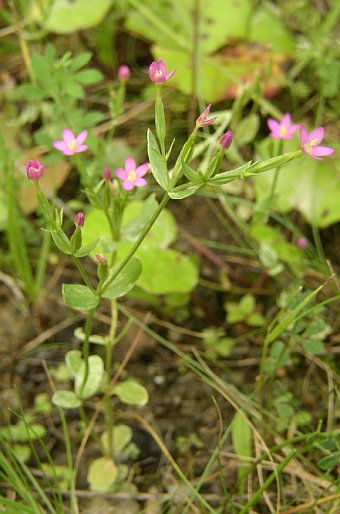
[302,243]
[107,173]
[34,170]
[101,259]
[124,73]
[202,119]
[79,220]
[226,139]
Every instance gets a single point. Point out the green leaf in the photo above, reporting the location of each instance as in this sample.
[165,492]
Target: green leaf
[74,89]
[80,60]
[61,241]
[41,68]
[66,399]
[121,436]
[86,249]
[79,296]
[158,163]
[102,474]
[91,76]
[125,281]
[241,436]
[329,462]
[131,392]
[313,346]
[18,433]
[74,361]
[32,92]
[247,129]
[67,17]
[94,378]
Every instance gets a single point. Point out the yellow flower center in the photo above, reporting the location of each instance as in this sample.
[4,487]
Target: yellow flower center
[282,131]
[158,73]
[132,176]
[72,145]
[309,146]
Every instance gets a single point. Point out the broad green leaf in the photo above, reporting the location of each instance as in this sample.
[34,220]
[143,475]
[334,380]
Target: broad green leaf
[61,241]
[121,436]
[18,432]
[132,392]
[102,474]
[66,17]
[66,399]
[125,281]
[74,361]
[94,378]
[166,271]
[79,296]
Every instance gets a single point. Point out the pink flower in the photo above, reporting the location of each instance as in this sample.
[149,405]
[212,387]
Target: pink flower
[202,119]
[157,72]
[283,129]
[131,175]
[226,139]
[310,143]
[124,73]
[71,144]
[34,170]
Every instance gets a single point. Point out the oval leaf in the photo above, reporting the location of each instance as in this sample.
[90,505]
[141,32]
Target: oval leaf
[66,400]
[131,392]
[79,296]
[102,474]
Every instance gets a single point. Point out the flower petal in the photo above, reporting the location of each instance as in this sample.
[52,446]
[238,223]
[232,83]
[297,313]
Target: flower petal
[273,124]
[81,138]
[142,169]
[121,173]
[130,164]
[322,150]
[286,120]
[317,134]
[140,182]
[128,185]
[68,135]
[303,137]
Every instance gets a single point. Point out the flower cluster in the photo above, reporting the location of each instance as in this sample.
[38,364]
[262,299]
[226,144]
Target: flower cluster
[309,143]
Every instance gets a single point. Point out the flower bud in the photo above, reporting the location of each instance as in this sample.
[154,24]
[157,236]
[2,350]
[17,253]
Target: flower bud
[226,140]
[124,73]
[101,259]
[202,119]
[107,173]
[34,170]
[79,220]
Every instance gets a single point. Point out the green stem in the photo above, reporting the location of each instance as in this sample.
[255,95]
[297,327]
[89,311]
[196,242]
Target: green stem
[82,272]
[108,364]
[68,457]
[86,346]
[137,244]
